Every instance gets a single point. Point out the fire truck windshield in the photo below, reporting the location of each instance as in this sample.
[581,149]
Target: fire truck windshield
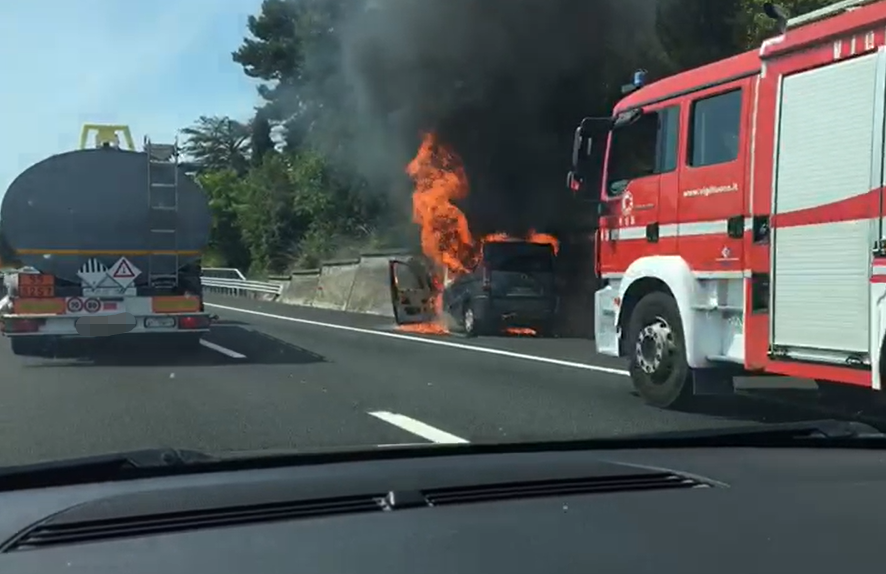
[632,150]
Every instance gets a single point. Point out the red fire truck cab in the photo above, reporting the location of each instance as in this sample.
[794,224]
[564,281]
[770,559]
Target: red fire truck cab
[742,211]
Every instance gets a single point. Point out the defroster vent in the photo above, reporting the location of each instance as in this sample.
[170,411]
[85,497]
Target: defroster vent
[67,528]
[54,533]
[565,487]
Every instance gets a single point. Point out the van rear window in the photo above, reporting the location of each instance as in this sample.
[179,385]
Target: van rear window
[519,257]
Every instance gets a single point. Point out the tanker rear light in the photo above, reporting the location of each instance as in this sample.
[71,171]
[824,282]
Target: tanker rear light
[21,325]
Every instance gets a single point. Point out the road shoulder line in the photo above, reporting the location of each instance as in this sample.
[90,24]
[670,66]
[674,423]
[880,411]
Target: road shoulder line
[449,344]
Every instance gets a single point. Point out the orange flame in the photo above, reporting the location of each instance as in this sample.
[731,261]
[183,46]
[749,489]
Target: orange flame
[446,239]
[521,331]
[439,181]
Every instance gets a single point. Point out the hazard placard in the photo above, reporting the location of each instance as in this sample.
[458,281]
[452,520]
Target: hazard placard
[124,272]
[92,272]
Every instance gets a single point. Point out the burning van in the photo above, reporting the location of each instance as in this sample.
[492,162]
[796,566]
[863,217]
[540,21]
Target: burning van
[479,284]
[511,289]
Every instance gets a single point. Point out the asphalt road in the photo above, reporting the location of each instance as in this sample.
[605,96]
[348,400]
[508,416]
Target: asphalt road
[271,376]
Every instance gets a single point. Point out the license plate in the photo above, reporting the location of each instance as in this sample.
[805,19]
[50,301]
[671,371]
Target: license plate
[36,291]
[159,322]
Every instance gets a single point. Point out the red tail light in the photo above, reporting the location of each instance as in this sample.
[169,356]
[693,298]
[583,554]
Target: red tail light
[21,326]
[193,322]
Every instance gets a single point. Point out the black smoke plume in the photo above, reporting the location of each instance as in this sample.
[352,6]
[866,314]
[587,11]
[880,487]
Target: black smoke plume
[503,82]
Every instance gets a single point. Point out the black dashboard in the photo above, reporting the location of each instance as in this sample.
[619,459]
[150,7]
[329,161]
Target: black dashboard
[690,510]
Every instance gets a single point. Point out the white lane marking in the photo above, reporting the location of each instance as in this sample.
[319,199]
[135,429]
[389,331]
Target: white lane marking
[222,350]
[418,428]
[451,345]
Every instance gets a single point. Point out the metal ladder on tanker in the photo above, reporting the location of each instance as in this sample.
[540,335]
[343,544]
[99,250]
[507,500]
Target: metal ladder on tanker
[163,198]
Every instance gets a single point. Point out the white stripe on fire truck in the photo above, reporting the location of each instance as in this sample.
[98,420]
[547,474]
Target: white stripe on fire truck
[697,274]
[878,270]
[692,229]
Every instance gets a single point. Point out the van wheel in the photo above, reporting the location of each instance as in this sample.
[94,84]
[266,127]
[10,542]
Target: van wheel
[658,365]
[469,320]
[29,346]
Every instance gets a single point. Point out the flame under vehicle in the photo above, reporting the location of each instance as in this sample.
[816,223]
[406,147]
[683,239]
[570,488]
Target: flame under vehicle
[741,226]
[110,240]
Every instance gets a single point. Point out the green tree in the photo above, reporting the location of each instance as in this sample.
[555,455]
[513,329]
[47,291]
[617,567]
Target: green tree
[217,142]
[755,26]
[260,142]
[266,217]
[696,32]
[294,47]
[226,246]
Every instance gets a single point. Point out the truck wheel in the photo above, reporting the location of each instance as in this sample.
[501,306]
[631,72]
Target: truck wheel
[658,366]
[28,346]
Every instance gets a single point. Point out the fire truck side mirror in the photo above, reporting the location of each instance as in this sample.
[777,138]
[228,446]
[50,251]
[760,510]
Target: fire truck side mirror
[581,148]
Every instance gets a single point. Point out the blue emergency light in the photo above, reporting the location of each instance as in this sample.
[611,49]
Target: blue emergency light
[638,80]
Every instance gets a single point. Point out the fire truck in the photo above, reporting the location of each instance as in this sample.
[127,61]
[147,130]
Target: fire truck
[741,213]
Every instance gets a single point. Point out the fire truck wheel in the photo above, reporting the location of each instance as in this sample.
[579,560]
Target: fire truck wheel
[658,366]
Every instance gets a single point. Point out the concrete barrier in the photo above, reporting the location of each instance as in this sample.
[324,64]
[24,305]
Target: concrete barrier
[360,285]
[334,286]
[371,291]
[301,288]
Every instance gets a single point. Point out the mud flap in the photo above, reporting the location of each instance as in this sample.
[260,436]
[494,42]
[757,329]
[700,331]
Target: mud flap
[412,295]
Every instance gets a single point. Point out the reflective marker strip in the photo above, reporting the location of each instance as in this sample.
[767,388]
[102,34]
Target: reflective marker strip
[38,306]
[175,304]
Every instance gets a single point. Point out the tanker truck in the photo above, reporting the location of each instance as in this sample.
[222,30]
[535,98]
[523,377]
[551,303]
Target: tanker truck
[108,241]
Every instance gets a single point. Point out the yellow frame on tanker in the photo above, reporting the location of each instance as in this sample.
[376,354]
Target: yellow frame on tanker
[106,134]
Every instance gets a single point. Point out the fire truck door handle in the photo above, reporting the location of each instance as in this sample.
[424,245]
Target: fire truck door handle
[652,232]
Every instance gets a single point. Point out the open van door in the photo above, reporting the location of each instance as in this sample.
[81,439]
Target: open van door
[412,293]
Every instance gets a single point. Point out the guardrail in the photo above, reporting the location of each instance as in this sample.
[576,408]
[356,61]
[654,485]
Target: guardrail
[240,286]
[223,273]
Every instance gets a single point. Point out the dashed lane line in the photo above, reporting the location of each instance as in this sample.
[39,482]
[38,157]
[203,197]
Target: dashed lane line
[418,428]
[222,350]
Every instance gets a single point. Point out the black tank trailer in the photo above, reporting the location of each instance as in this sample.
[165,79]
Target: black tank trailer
[94,203]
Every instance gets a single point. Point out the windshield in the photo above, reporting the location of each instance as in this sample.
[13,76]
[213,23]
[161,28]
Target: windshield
[632,149]
[234,227]
[519,257]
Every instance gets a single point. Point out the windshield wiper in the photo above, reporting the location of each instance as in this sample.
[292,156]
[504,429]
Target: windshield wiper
[101,468]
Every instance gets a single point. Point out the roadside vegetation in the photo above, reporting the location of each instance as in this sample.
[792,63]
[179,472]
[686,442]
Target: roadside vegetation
[283,189]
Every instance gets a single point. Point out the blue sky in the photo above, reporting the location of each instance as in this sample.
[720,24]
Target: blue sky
[154,65]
